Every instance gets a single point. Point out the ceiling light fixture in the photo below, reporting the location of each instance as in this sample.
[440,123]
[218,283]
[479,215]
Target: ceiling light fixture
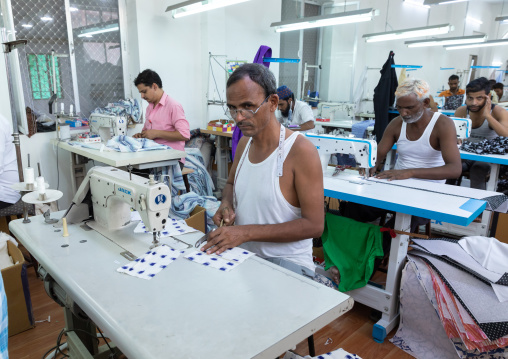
[46,18]
[72,8]
[442,2]
[497,63]
[409,33]
[196,6]
[482,44]
[96,30]
[502,19]
[347,17]
[27,25]
[447,41]
[416,3]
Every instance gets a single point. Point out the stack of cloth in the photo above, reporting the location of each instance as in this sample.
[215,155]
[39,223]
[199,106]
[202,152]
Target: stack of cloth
[496,146]
[359,129]
[131,144]
[128,108]
[454,299]
[200,181]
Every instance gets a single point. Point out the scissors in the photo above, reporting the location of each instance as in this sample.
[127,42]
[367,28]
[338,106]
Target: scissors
[205,237]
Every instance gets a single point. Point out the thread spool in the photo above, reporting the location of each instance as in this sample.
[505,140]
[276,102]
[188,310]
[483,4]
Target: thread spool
[41,185]
[62,108]
[71,108]
[64,228]
[29,175]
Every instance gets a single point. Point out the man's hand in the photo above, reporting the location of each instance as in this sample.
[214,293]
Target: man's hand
[150,134]
[487,107]
[395,174]
[372,171]
[137,135]
[224,238]
[226,214]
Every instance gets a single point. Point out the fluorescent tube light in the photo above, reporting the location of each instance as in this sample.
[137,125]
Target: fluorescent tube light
[72,8]
[347,17]
[482,44]
[497,63]
[27,25]
[196,6]
[502,19]
[447,41]
[409,33]
[96,30]
[442,2]
[416,3]
[46,18]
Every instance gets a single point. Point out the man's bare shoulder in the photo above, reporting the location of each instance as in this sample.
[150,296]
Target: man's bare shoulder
[498,112]
[303,150]
[461,111]
[444,123]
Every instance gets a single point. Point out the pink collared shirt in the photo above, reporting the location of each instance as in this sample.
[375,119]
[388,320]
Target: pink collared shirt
[168,115]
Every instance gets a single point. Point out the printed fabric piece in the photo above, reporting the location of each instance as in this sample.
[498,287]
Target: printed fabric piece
[352,247]
[226,261]
[129,108]
[131,144]
[152,263]
[174,227]
[489,252]
[336,354]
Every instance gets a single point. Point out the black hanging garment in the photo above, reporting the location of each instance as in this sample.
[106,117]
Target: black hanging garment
[384,96]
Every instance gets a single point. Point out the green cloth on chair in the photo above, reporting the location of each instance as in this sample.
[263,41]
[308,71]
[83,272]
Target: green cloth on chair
[352,247]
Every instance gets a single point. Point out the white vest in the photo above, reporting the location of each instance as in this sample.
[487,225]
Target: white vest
[260,201]
[419,153]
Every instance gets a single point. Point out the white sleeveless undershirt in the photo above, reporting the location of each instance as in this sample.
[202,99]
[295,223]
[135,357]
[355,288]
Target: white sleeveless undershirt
[259,200]
[419,153]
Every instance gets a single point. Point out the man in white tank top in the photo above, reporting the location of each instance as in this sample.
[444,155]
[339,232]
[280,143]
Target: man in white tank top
[426,141]
[272,203]
[488,122]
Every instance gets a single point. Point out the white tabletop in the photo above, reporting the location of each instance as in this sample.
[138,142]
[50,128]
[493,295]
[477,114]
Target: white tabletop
[342,124]
[415,199]
[257,310]
[119,159]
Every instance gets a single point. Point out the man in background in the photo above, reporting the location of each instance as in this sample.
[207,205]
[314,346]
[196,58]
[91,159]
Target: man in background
[165,121]
[8,166]
[453,96]
[499,90]
[293,112]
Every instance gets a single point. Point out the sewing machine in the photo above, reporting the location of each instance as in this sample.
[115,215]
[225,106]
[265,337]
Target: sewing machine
[364,151]
[104,124]
[462,126]
[114,192]
[328,110]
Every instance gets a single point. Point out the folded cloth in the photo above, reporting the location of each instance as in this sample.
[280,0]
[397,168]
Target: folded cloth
[129,108]
[352,247]
[152,263]
[489,252]
[183,205]
[263,51]
[359,129]
[131,144]
[336,354]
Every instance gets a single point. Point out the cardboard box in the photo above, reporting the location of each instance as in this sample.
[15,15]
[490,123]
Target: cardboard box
[197,219]
[221,126]
[19,303]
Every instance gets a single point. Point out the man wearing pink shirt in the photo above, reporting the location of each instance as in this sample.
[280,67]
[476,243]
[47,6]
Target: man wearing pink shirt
[165,119]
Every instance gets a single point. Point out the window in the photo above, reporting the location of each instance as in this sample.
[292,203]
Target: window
[41,76]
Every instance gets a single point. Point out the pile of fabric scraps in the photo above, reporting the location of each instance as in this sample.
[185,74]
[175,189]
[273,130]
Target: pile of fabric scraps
[129,108]
[466,283]
[496,146]
[226,261]
[200,181]
[359,129]
[336,354]
[183,205]
[152,263]
[131,144]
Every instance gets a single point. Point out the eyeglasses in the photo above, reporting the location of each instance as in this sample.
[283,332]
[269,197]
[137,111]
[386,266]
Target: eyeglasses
[232,113]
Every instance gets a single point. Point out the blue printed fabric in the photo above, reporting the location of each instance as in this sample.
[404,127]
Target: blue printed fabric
[359,129]
[200,181]
[4,329]
[183,205]
[131,144]
[172,177]
[129,108]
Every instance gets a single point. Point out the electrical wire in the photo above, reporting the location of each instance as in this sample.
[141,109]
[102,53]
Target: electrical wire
[110,349]
[216,87]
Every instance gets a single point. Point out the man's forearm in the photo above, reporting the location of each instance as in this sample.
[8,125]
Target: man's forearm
[500,129]
[448,171]
[309,125]
[292,231]
[227,194]
[170,135]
